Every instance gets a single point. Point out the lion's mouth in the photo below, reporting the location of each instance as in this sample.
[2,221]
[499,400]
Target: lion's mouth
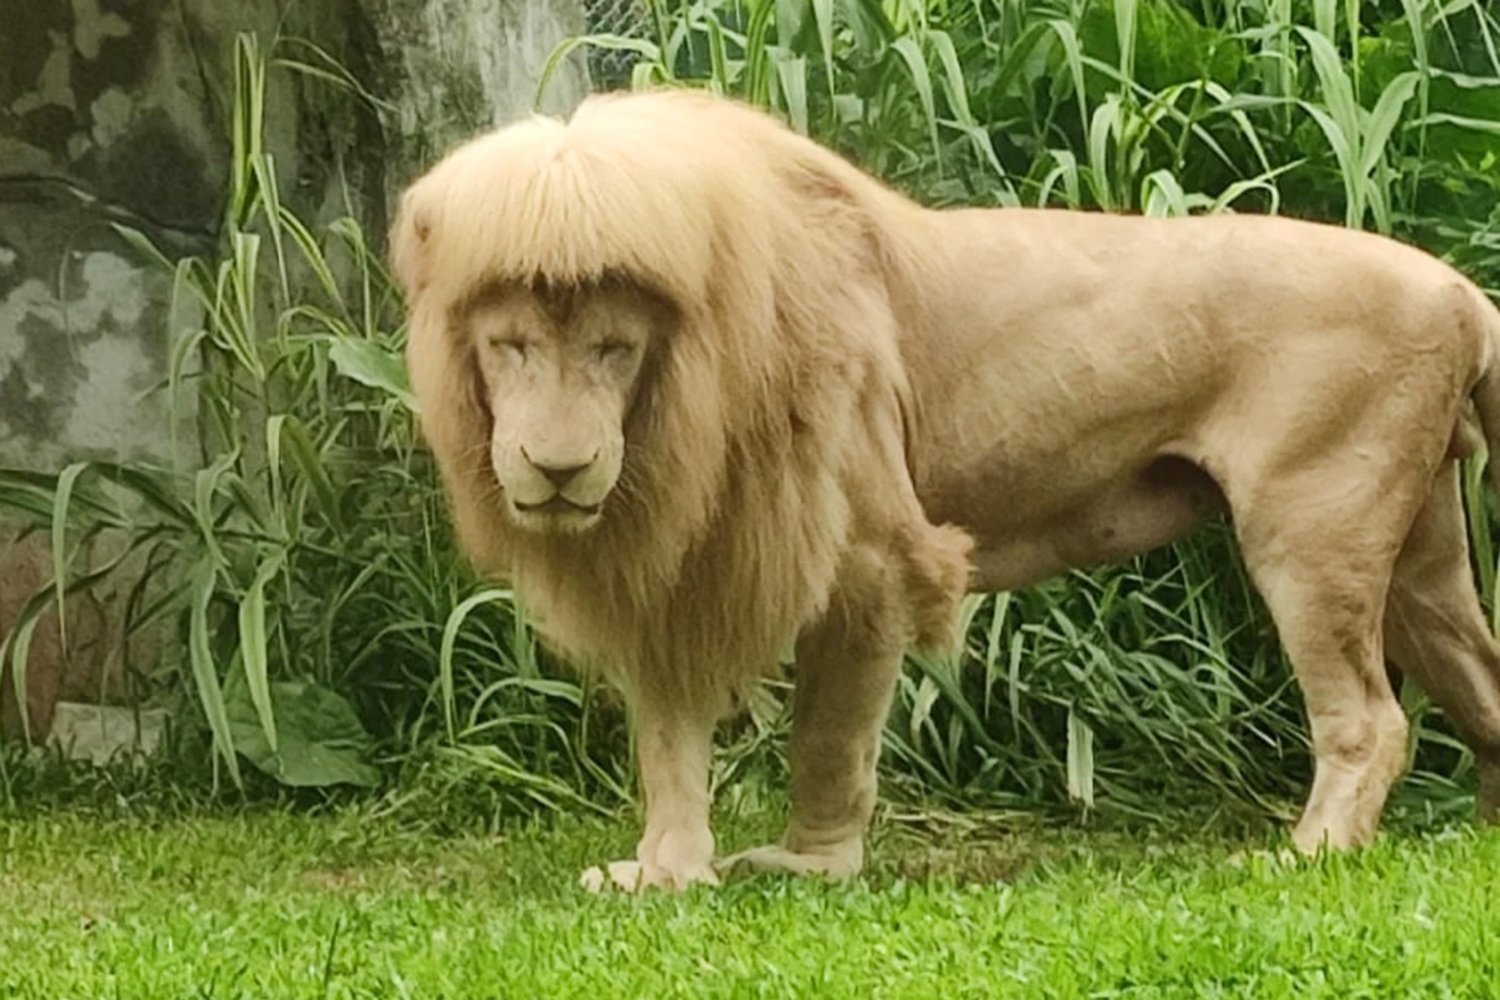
[559,505]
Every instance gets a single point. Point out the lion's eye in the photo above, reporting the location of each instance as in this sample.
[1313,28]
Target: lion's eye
[513,346]
[614,350]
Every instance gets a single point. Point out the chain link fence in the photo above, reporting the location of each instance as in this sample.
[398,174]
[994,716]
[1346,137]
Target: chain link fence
[609,69]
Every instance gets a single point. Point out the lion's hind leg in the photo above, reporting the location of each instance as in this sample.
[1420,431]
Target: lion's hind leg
[1435,631]
[1324,569]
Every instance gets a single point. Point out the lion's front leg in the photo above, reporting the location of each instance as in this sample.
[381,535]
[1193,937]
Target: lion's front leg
[677,848]
[847,666]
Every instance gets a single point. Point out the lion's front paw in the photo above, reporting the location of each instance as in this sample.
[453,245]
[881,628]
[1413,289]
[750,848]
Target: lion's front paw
[633,876]
[838,862]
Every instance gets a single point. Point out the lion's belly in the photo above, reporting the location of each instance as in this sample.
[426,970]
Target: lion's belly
[1151,508]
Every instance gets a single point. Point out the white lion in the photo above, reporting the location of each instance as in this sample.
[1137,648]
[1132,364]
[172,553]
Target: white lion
[699,387]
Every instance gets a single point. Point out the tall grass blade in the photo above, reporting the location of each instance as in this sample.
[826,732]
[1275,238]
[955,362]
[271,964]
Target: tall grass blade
[254,651]
[17,642]
[915,62]
[1080,760]
[205,671]
[65,483]
[451,629]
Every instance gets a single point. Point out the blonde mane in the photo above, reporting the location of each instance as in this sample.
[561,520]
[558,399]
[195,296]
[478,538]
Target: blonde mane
[733,511]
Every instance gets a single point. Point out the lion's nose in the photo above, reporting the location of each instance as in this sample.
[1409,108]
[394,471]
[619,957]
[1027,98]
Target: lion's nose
[558,474]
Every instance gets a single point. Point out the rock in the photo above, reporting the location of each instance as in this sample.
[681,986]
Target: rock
[101,734]
[115,111]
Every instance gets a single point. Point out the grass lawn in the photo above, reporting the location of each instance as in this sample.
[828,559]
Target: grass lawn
[277,905]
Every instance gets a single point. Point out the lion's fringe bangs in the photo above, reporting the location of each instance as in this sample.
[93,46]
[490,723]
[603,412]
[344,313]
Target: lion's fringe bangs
[628,191]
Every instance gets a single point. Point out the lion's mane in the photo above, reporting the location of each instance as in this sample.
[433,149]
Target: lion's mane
[753,455]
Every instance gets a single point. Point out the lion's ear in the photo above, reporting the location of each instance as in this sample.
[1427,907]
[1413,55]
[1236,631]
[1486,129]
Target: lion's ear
[410,236]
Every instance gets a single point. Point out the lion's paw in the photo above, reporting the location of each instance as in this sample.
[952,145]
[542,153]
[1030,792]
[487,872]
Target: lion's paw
[837,864]
[633,876]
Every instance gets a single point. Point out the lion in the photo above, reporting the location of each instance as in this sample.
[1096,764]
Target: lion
[702,390]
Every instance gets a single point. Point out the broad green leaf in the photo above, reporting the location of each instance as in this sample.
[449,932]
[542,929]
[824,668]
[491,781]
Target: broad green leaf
[370,364]
[1384,118]
[321,740]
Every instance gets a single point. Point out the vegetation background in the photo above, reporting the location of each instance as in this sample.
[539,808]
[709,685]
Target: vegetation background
[324,632]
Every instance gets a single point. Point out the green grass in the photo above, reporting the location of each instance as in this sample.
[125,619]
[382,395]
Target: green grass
[348,905]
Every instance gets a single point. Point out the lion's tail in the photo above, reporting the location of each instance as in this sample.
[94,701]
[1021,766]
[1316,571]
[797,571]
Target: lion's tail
[1486,393]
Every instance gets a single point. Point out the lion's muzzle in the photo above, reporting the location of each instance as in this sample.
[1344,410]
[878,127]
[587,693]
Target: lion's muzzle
[555,491]
[559,472]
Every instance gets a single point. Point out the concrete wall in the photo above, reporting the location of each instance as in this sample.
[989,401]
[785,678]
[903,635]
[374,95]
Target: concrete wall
[118,111]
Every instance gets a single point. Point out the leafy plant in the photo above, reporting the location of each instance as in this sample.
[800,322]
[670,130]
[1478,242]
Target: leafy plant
[297,559]
[300,562]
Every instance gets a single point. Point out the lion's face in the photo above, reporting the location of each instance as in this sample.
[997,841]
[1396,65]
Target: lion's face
[559,371]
